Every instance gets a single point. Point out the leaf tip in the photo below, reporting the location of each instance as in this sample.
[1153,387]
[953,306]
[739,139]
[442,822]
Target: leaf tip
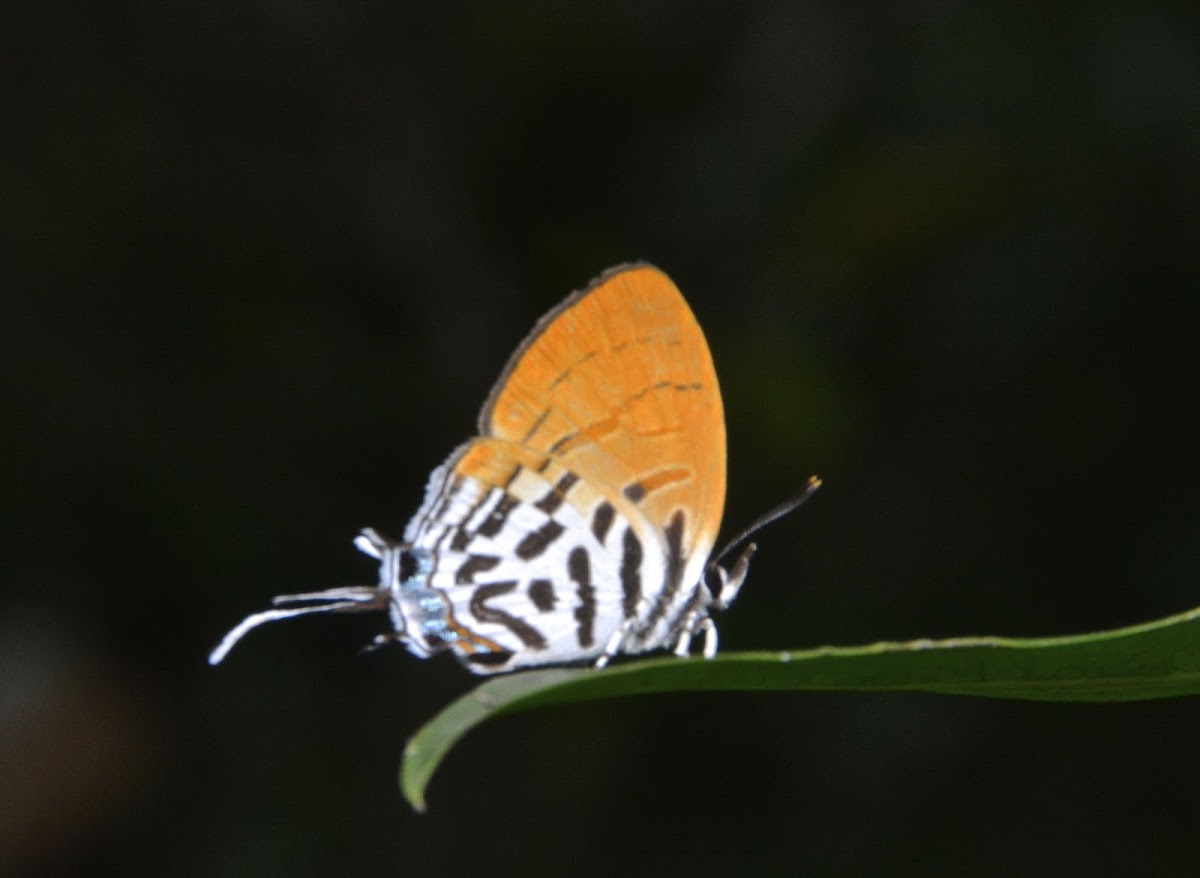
[412,781]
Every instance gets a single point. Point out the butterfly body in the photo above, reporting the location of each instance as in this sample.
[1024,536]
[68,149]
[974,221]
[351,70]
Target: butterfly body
[578,523]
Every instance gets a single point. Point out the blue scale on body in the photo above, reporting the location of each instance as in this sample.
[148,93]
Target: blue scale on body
[426,606]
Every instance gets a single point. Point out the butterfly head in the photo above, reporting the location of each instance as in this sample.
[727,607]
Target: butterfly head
[419,614]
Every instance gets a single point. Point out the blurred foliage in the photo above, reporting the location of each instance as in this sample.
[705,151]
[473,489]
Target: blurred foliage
[265,259]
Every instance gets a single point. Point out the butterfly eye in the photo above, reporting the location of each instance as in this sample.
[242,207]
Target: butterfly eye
[410,566]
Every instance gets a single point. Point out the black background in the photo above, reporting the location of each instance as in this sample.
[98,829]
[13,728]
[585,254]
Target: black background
[266,259]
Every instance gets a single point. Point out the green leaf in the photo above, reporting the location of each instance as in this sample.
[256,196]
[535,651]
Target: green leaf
[1159,659]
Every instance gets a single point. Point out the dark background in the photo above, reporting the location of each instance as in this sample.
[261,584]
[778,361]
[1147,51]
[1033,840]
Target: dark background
[266,259]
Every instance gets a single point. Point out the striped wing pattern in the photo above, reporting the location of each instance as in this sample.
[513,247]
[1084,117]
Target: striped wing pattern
[587,508]
[533,564]
[578,524]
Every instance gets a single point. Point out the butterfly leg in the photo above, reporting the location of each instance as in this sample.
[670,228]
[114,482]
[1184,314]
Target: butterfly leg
[710,636]
[694,625]
[379,641]
[730,581]
[615,643]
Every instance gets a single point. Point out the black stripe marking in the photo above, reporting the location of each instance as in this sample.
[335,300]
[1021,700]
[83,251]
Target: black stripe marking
[474,564]
[646,339]
[490,659]
[528,635]
[552,500]
[559,379]
[561,441]
[462,537]
[693,607]
[436,551]
[565,373]
[674,532]
[451,485]
[537,425]
[673,575]
[664,385]
[494,523]
[602,520]
[535,543]
[661,385]
[495,520]
[579,568]
[541,592]
[512,477]
[635,491]
[631,573]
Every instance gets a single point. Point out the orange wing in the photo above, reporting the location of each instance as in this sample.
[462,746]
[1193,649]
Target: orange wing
[617,384]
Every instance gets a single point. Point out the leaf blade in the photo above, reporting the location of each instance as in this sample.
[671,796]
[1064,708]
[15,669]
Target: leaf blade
[1157,659]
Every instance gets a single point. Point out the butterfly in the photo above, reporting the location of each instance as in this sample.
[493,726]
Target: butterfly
[578,525]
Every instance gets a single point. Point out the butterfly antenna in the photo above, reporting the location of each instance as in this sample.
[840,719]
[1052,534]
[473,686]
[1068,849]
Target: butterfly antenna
[349,599]
[791,504]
